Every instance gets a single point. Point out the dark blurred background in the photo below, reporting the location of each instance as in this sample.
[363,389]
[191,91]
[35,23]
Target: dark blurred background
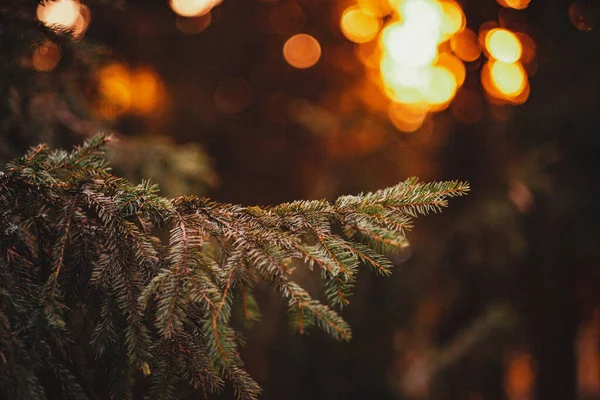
[495,299]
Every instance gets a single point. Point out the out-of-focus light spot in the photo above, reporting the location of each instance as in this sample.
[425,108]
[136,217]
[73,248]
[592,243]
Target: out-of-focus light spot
[302,51]
[484,29]
[233,95]
[193,8]
[453,18]
[516,4]
[359,25]
[61,12]
[508,78]
[406,118]
[520,377]
[454,65]
[467,106]
[441,89]
[529,48]
[409,48]
[121,90]
[82,22]
[583,14]
[147,91]
[287,18]
[46,57]
[503,45]
[381,8]
[464,44]
[114,89]
[193,25]
[369,54]
[520,196]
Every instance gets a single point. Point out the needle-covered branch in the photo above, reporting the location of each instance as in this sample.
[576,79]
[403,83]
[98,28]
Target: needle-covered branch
[81,262]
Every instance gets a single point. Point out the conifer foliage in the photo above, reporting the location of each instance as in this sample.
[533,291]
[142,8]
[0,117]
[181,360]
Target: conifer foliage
[97,301]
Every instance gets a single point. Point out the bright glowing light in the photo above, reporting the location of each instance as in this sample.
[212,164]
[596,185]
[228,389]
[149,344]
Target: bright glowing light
[380,8]
[61,12]
[397,75]
[359,25]
[422,15]
[454,65]
[453,19]
[82,22]
[193,8]
[441,88]
[409,48]
[516,4]
[465,46]
[302,51]
[46,57]
[508,78]
[503,45]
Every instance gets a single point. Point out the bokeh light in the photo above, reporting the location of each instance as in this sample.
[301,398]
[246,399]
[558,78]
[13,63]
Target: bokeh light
[516,4]
[359,25]
[148,91]
[302,51]
[233,95]
[122,90]
[465,45]
[583,14]
[508,78]
[193,8]
[425,52]
[409,48]
[503,45]
[61,12]
[505,81]
[46,57]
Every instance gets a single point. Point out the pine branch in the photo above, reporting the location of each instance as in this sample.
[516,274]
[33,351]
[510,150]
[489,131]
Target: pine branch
[81,242]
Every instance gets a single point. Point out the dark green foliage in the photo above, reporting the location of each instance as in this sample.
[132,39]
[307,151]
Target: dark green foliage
[92,303]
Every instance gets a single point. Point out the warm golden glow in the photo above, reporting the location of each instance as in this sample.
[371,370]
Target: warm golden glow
[380,8]
[82,22]
[409,47]
[454,65]
[114,88]
[406,118]
[509,79]
[441,88]
[465,45]
[503,45]
[419,64]
[453,19]
[46,57]
[147,91]
[516,4]
[193,8]
[61,12]
[121,90]
[302,51]
[359,25]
